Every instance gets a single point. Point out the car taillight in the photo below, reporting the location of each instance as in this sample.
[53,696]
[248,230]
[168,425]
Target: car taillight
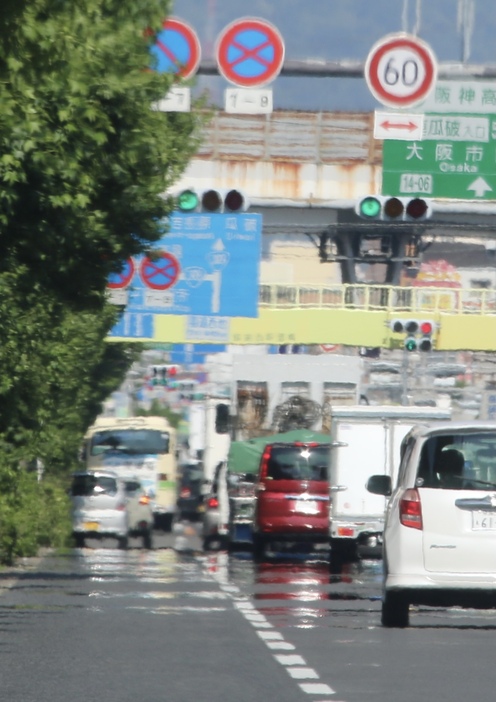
[144,500]
[185,492]
[264,462]
[213,502]
[411,509]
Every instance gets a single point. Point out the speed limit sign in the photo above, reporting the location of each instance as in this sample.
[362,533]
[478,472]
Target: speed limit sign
[400,70]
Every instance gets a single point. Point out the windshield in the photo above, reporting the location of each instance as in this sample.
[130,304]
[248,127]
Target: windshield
[298,463]
[459,462]
[86,485]
[130,441]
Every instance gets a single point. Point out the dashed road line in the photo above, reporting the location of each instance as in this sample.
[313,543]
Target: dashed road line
[295,664]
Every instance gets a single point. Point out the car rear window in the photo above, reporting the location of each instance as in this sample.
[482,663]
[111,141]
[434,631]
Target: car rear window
[458,461]
[298,463]
[86,485]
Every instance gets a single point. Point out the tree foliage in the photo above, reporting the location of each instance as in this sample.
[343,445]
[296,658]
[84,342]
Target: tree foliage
[83,157]
[84,165]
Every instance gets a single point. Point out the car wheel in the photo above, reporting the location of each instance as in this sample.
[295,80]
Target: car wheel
[123,542]
[168,521]
[212,543]
[79,540]
[343,551]
[147,539]
[395,610]
[259,547]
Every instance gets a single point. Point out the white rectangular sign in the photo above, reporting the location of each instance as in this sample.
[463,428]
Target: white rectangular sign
[474,96]
[117,296]
[397,125]
[176,100]
[248,101]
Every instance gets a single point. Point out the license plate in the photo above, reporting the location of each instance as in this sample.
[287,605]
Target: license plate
[307,506]
[484,521]
[91,526]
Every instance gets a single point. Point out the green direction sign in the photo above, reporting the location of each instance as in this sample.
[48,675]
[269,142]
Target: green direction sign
[456,158]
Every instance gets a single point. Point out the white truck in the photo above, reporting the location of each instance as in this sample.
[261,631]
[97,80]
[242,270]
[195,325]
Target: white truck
[210,433]
[369,440]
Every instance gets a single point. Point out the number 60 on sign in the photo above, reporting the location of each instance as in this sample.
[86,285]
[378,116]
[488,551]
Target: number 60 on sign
[400,70]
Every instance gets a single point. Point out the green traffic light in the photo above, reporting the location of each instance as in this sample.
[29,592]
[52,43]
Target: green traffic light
[410,344]
[187,201]
[370,207]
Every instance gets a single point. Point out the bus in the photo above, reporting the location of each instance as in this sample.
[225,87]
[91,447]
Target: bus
[138,447]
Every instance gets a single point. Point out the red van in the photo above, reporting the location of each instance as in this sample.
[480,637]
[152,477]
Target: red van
[292,495]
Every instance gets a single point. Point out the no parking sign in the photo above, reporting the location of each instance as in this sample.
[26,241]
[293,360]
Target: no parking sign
[177,48]
[161,272]
[250,52]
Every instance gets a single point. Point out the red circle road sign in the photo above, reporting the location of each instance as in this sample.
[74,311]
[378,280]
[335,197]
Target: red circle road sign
[400,70]
[177,48]
[161,272]
[123,277]
[250,52]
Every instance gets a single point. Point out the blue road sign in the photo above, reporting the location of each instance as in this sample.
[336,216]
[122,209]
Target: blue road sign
[206,265]
[193,354]
[133,326]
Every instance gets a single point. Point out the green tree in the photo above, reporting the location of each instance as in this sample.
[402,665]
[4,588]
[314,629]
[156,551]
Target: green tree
[84,159]
[84,165]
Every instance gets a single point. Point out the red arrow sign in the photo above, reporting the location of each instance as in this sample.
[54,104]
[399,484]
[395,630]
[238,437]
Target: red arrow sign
[395,125]
[398,125]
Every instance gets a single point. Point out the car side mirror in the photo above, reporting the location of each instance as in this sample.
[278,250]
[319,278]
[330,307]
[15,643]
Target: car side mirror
[380,485]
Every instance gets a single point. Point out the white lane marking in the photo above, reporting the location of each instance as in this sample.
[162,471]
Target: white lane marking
[295,664]
[290,660]
[254,617]
[270,635]
[317,689]
[302,673]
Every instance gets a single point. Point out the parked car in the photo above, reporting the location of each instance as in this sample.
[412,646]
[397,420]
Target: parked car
[215,526]
[190,496]
[440,527]
[292,495]
[103,506]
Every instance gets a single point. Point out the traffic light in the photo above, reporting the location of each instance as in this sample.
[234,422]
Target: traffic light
[418,333]
[393,209]
[163,374]
[211,200]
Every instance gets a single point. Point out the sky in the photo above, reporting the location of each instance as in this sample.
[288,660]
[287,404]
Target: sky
[344,29]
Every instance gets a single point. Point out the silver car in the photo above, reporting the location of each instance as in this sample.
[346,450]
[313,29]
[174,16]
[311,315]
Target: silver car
[103,506]
[215,525]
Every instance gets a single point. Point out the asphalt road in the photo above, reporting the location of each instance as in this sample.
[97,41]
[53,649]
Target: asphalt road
[175,624]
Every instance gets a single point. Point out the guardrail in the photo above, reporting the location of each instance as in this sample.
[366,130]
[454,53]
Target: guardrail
[394,299]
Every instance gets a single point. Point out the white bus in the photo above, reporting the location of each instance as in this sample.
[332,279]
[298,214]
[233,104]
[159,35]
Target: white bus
[138,447]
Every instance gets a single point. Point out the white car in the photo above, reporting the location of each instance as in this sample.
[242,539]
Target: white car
[440,527]
[103,505]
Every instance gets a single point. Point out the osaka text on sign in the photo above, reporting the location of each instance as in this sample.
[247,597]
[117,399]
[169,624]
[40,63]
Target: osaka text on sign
[456,158]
